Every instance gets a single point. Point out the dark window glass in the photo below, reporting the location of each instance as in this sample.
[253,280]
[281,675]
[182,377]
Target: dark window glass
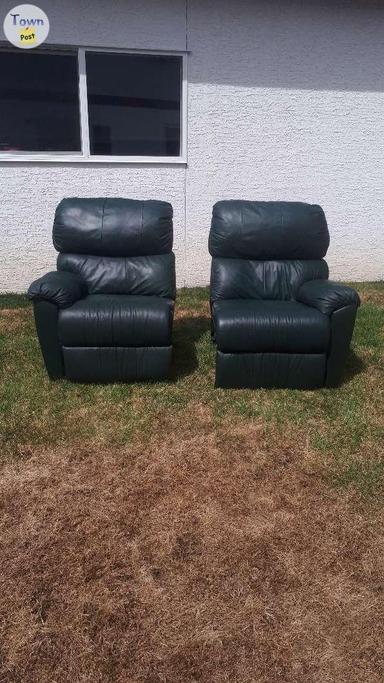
[39,102]
[134,104]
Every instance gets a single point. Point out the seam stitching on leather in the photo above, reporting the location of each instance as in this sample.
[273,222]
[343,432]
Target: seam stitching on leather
[241,223]
[102,218]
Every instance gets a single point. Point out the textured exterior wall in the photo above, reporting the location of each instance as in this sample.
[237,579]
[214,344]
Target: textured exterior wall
[139,24]
[286,101]
[29,196]
[29,193]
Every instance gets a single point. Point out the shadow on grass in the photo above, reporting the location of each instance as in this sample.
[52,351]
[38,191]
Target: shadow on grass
[186,333]
[354,366]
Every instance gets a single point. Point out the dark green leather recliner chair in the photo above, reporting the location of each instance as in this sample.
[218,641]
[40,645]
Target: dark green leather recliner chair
[276,318]
[106,314]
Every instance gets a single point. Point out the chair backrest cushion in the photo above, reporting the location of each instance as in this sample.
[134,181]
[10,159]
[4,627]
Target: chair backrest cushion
[139,275]
[268,230]
[250,279]
[113,227]
[266,250]
[119,246]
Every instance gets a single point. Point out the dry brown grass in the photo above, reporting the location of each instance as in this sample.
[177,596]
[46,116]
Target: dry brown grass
[213,554]
[174,533]
[12,319]
[372,296]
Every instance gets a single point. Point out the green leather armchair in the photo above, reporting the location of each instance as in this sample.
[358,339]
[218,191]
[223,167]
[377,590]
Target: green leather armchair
[106,314]
[277,320]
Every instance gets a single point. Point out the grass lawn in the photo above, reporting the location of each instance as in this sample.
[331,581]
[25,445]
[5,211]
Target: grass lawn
[174,532]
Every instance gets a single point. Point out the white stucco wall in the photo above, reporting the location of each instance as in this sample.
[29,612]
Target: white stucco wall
[285,101]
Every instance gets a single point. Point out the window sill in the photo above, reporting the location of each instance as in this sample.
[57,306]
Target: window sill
[79,159]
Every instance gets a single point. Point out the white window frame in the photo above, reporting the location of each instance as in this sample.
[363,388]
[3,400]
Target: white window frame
[84,156]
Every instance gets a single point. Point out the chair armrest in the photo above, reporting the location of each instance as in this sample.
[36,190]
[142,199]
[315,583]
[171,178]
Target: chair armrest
[58,287]
[327,296]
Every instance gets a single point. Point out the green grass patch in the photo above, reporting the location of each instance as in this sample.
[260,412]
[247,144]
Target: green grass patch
[367,477]
[344,426]
[8,301]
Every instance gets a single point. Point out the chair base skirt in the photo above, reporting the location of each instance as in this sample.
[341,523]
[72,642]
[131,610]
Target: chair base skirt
[270,370]
[116,364]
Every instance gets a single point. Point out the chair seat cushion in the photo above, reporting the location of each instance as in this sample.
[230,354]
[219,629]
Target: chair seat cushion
[269,326]
[117,320]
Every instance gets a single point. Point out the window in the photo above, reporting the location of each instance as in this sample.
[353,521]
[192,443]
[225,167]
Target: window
[91,105]
[133,104]
[39,102]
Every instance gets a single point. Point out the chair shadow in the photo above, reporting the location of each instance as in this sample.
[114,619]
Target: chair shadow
[186,333]
[354,366]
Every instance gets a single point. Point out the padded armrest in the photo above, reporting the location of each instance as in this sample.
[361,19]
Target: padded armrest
[58,287]
[327,296]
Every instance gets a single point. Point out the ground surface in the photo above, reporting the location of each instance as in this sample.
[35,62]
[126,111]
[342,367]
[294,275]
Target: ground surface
[176,533]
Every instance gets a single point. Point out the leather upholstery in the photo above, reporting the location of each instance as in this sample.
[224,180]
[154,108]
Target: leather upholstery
[270,370]
[278,326]
[46,320]
[246,279]
[276,318]
[113,227]
[117,320]
[107,313]
[327,296]
[143,275]
[268,230]
[62,289]
[342,324]
[116,364]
